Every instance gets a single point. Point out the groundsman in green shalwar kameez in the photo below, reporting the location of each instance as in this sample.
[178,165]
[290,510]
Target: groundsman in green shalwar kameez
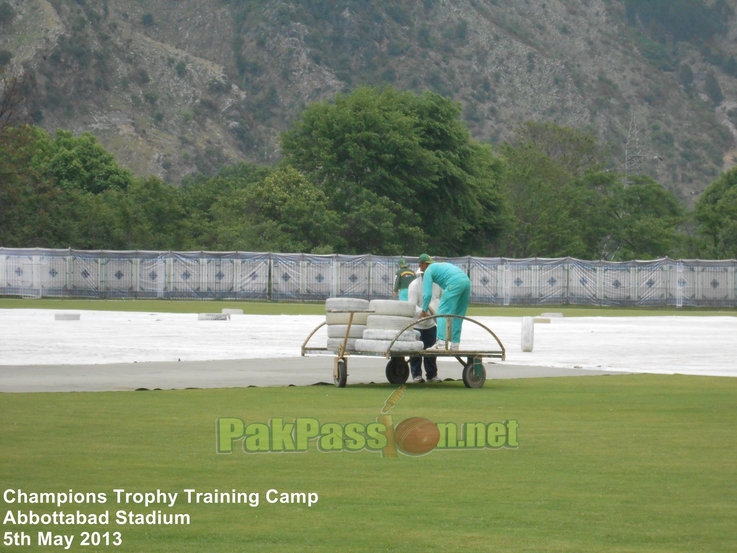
[456,288]
[402,280]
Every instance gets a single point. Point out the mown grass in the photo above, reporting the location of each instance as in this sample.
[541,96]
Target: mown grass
[605,464]
[284,308]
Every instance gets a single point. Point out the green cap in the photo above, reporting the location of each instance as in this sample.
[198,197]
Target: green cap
[424,258]
[402,262]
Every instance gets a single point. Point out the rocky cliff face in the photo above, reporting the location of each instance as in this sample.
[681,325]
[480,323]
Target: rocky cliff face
[176,87]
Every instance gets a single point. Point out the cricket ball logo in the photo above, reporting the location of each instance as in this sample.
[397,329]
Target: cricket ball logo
[413,436]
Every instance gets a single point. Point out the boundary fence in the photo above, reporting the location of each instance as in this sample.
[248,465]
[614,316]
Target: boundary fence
[302,277]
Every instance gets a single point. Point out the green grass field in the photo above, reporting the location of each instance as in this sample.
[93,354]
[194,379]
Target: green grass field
[278,308]
[621,463]
[609,463]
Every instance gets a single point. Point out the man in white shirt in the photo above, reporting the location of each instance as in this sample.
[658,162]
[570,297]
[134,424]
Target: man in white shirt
[428,331]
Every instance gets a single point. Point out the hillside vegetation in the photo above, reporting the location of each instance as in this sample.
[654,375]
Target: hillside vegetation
[376,171]
[179,88]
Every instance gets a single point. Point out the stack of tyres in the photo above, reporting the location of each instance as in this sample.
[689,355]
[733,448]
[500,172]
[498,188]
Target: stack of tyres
[338,315]
[387,319]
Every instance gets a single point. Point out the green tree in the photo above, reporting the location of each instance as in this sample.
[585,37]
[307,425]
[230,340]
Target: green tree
[92,219]
[69,192]
[539,193]
[202,200]
[565,204]
[466,211]
[79,162]
[402,164]
[573,150]
[552,210]
[29,204]
[283,212]
[716,215]
[148,215]
[642,220]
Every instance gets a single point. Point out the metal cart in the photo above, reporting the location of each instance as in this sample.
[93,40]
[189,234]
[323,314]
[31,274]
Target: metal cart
[397,369]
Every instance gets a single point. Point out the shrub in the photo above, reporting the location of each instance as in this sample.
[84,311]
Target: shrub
[399,14]
[7,13]
[139,76]
[424,38]
[713,90]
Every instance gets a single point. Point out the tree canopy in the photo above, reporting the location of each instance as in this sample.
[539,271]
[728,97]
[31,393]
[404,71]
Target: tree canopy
[79,162]
[566,204]
[716,214]
[374,171]
[402,166]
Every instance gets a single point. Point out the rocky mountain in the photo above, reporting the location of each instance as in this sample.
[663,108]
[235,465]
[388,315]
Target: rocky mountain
[174,87]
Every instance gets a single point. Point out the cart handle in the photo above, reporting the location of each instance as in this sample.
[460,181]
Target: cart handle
[447,316]
[304,344]
[411,325]
[342,347]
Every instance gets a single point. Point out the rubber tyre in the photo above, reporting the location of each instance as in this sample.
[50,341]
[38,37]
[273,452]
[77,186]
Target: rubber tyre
[335,343]
[470,379]
[381,346]
[338,331]
[392,307]
[359,318]
[346,304]
[397,370]
[342,379]
[388,322]
[383,334]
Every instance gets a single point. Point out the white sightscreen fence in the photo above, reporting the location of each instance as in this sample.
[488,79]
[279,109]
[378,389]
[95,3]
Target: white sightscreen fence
[36,273]
[301,277]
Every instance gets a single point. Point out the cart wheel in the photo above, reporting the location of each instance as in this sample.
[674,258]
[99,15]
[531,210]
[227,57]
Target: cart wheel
[340,377]
[474,374]
[397,370]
